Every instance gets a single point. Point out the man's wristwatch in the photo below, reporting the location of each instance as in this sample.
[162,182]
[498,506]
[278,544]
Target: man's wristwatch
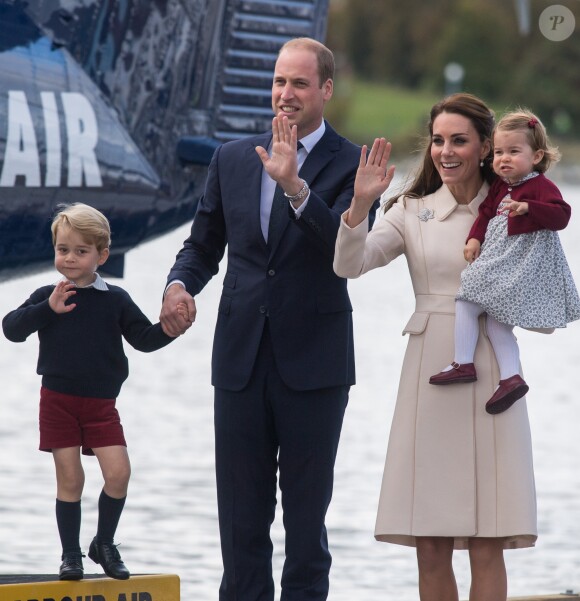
[299,195]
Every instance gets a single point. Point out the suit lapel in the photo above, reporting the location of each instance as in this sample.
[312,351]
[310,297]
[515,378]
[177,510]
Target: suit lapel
[254,181]
[320,155]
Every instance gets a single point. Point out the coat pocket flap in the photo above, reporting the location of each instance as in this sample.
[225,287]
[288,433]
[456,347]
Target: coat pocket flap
[417,323]
[230,280]
[334,303]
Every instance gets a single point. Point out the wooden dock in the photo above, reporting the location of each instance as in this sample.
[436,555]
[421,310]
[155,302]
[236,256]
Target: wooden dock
[47,587]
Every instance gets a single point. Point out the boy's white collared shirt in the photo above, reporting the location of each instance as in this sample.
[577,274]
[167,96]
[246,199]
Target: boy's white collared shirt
[98,284]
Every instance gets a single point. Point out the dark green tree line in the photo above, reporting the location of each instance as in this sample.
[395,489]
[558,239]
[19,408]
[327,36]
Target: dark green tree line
[409,43]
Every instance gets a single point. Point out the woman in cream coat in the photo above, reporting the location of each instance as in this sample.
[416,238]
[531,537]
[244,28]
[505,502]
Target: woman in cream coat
[455,476]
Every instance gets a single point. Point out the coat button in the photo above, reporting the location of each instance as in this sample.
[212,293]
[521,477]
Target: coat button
[263,310]
[271,272]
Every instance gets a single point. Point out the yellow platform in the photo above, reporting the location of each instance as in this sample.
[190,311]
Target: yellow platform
[47,587]
[560,597]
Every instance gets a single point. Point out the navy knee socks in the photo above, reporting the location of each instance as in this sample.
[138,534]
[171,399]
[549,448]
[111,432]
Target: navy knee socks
[68,520]
[110,510]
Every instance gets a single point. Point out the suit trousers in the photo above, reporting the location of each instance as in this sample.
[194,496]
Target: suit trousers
[261,430]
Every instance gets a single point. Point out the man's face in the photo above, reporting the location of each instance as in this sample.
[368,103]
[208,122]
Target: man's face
[296,90]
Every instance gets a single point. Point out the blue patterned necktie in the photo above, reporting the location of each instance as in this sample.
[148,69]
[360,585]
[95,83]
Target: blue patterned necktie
[279,212]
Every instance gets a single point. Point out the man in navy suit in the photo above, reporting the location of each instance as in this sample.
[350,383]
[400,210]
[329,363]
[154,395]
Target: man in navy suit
[283,357]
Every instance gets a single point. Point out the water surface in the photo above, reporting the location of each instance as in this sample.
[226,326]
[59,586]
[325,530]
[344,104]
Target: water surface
[170,524]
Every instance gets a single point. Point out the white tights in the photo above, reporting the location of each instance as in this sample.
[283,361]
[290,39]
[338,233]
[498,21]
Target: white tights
[501,336]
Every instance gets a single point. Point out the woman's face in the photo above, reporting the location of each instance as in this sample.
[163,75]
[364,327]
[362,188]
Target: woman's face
[457,151]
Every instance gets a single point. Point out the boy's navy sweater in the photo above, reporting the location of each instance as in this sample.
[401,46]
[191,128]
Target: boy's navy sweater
[81,352]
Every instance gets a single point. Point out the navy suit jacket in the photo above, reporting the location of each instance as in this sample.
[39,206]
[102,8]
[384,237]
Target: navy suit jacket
[292,285]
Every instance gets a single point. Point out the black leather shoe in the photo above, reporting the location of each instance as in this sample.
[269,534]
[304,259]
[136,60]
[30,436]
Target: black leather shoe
[107,555]
[71,567]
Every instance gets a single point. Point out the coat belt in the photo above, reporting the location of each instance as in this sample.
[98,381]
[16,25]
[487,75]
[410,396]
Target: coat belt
[434,303]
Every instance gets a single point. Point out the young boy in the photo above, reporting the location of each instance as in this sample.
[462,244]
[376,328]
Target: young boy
[80,323]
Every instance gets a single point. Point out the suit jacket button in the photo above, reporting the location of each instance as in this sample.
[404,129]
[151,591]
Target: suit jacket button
[263,310]
[271,272]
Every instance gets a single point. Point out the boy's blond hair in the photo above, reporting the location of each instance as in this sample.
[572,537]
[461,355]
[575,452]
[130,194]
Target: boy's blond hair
[91,224]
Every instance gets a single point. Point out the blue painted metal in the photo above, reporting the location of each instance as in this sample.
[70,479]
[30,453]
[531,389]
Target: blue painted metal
[120,104]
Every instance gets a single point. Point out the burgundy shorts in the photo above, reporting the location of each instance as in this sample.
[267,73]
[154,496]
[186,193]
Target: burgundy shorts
[76,421]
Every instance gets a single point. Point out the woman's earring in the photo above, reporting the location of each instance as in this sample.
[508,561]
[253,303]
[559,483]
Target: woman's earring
[481,163]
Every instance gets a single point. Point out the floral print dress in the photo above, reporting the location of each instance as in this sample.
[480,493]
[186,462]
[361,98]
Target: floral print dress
[522,280]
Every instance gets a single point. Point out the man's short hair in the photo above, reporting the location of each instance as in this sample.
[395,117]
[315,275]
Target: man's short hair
[324,56]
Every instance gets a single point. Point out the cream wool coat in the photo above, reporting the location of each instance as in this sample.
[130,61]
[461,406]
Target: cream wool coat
[451,469]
